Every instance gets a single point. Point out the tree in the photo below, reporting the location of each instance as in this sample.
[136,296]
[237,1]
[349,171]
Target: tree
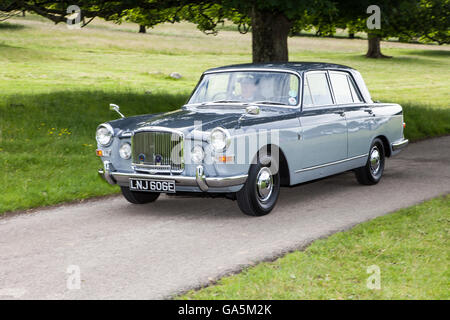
[406,19]
[271,20]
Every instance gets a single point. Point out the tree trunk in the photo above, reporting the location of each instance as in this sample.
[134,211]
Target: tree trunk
[269,36]
[351,35]
[374,50]
[142,29]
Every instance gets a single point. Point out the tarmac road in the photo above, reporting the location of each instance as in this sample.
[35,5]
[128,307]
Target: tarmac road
[154,251]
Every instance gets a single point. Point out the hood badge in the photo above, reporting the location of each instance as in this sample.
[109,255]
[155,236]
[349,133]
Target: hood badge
[141,157]
[158,159]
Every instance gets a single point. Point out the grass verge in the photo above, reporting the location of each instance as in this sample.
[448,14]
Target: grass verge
[410,247]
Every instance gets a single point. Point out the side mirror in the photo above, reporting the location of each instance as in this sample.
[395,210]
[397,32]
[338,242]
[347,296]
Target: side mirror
[116,108]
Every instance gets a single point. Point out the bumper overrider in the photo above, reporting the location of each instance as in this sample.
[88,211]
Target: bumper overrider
[200,180]
[400,144]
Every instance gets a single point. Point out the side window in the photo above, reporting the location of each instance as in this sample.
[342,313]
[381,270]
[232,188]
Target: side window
[356,96]
[341,87]
[319,90]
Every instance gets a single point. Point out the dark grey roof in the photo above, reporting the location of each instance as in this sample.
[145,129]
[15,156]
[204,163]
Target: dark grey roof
[294,66]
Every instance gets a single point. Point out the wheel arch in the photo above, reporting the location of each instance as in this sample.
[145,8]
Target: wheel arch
[283,163]
[386,144]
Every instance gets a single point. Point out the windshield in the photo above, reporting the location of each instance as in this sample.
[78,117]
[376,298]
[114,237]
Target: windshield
[279,88]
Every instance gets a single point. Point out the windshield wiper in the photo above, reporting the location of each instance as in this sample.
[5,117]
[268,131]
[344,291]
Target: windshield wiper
[270,102]
[225,101]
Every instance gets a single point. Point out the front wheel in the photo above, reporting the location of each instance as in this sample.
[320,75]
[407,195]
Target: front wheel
[371,173]
[260,192]
[137,197]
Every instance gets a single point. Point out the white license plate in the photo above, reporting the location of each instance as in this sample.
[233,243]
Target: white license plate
[152,185]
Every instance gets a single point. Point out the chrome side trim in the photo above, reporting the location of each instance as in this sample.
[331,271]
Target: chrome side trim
[331,163]
[400,145]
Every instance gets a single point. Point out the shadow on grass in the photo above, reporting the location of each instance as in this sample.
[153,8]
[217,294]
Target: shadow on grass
[11,26]
[83,109]
[431,53]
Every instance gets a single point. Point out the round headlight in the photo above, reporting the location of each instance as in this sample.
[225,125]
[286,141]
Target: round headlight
[104,134]
[125,151]
[219,139]
[197,154]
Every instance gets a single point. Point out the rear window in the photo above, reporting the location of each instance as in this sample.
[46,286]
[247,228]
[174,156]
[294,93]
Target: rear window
[344,88]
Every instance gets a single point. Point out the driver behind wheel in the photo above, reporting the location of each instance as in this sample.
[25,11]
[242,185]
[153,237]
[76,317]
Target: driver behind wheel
[249,89]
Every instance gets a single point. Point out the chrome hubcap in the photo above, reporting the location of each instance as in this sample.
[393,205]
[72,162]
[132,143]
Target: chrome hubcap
[264,184]
[375,160]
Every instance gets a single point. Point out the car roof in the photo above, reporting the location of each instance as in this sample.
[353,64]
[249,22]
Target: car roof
[288,66]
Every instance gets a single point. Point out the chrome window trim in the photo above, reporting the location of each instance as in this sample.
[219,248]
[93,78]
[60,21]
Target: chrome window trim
[331,163]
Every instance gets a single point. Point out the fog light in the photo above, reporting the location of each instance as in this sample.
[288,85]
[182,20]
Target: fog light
[125,151]
[197,154]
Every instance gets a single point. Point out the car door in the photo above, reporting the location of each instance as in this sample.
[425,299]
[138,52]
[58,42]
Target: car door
[358,114]
[324,128]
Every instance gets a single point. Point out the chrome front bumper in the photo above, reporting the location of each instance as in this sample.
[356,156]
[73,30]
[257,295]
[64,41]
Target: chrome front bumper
[200,180]
[400,145]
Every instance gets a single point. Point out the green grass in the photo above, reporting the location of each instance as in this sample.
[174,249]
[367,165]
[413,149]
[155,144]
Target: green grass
[52,77]
[411,248]
[47,146]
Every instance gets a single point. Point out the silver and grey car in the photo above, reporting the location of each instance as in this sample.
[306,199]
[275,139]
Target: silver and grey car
[247,130]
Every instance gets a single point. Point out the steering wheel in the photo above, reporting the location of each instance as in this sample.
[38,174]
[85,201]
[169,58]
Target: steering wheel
[219,96]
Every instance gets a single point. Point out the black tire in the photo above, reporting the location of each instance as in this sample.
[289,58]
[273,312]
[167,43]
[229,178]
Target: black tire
[372,172]
[249,199]
[137,197]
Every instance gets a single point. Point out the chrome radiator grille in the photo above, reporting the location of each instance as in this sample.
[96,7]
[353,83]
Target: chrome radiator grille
[157,151]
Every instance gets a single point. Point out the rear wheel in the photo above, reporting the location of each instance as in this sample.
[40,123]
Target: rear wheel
[260,193]
[137,197]
[371,173]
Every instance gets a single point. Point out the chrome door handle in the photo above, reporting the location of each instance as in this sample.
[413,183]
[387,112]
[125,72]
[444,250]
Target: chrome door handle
[341,113]
[369,111]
